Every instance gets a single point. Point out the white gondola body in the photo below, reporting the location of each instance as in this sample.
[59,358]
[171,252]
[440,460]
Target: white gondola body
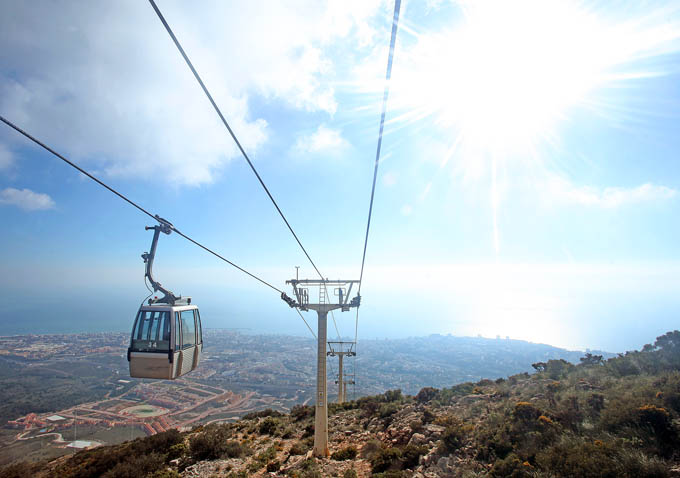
[166,341]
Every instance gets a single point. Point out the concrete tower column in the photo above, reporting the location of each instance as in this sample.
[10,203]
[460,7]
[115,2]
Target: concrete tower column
[321,416]
[341,380]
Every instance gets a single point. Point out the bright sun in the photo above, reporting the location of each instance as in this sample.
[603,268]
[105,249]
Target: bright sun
[510,70]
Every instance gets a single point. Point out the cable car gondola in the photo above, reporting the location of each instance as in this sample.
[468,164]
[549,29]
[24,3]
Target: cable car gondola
[167,339]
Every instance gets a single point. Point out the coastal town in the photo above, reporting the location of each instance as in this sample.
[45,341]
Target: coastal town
[81,393]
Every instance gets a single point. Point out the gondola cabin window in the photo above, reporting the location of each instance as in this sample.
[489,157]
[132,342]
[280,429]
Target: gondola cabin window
[178,333]
[151,332]
[188,328]
[199,333]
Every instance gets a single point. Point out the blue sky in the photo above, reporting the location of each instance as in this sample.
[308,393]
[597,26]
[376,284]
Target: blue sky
[528,184]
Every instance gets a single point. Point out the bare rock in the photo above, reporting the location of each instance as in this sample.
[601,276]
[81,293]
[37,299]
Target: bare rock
[417,439]
[473,398]
[432,430]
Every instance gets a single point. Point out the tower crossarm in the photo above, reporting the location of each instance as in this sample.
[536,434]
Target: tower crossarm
[343,289]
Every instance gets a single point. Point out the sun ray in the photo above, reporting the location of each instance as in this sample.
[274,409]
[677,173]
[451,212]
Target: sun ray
[501,79]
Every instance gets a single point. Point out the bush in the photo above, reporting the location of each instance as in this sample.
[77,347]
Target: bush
[416,426]
[19,470]
[426,394]
[309,431]
[557,369]
[388,474]
[263,414]
[411,454]
[301,412]
[212,444]
[526,411]
[453,438]
[298,448]
[266,456]
[650,423]
[139,457]
[393,396]
[268,426]
[596,459]
[273,466]
[512,467]
[388,409]
[137,466]
[347,453]
[370,449]
[656,417]
[167,473]
[310,469]
[570,414]
[350,473]
[595,403]
[386,459]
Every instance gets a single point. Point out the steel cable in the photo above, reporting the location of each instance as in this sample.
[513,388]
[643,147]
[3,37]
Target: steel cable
[388,76]
[129,201]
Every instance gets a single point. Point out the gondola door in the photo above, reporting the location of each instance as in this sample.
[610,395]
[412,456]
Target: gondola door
[187,324]
[199,339]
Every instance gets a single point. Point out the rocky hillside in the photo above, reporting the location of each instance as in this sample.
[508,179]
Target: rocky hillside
[614,418]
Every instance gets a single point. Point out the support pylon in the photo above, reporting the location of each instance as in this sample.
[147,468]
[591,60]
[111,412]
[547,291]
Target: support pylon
[342,290]
[341,350]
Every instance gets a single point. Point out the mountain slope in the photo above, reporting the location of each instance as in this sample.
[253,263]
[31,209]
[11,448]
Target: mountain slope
[618,418]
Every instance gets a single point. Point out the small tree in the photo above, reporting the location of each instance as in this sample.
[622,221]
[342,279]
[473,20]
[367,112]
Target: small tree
[590,359]
[426,394]
[669,342]
[539,366]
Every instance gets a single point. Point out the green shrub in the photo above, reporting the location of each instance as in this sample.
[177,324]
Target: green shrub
[416,426]
[273,466]
[137,466]
[526,411]
[494,439]
[393,396]
[557,369]
[213,443]
[453,438]
[411,454]
[262,414]
[569,414]
[595,402]
[298,448]
[266,455]
[239,474]
[301,412]
[309,469]
[388,409]
[268,426]
[388,474]
[167,473]
[371,448]
[386,459]
[309,431]
[349,473]
[512,467]
[426,395]
[597,459]
[19,470]
[347,453]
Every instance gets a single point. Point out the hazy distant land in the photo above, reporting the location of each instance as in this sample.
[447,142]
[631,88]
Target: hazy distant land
[84,378]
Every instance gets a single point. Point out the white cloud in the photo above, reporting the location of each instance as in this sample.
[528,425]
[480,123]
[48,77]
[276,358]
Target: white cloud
[104,83]
[26,199]
[6,158]
[323,140]
[609,197]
